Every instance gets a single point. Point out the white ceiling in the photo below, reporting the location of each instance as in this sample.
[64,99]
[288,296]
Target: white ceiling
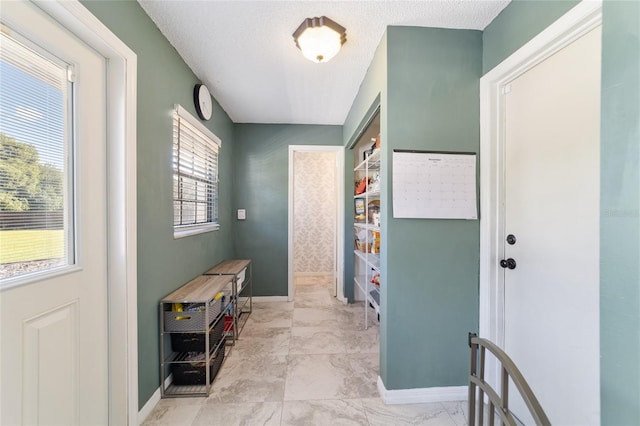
[245,54]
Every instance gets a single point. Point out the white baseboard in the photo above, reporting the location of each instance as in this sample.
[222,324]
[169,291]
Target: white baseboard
[270,299]
[422,395]
[149,406]
[153,401]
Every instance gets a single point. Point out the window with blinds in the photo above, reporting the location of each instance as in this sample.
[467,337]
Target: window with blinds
[36,193]
[195,176]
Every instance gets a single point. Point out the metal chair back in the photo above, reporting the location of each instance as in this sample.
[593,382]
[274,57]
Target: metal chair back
[499,402]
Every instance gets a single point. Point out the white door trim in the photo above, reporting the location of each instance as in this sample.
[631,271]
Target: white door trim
[339,151]
[584,17]
[121,215]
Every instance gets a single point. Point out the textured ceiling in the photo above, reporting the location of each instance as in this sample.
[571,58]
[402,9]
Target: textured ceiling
[244,52]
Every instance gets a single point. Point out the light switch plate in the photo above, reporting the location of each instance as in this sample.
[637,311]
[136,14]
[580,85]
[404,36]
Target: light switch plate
[242,214]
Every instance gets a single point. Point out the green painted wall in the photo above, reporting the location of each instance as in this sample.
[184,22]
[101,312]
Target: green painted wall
[432,265]
[260,182]
[620,185]
[164,263]
[517,24]
[620,214]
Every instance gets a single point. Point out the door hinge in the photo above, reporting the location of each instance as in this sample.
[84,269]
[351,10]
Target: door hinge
[71,74]
[506,89]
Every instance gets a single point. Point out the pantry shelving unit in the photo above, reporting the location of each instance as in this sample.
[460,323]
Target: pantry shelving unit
[192,338]
[367,255]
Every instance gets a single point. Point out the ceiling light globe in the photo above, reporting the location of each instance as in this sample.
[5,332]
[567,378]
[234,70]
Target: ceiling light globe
[319,44]
[319,38]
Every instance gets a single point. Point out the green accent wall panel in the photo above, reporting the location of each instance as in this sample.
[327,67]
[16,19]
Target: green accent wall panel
[431,303]
[517,24]
[260,181]
[620,214]
[164,264]
[432,265]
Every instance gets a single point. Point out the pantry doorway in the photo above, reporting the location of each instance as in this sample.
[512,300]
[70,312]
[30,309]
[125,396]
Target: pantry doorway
[316,210]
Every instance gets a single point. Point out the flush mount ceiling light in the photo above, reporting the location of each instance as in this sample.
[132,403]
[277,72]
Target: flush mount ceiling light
[319,39]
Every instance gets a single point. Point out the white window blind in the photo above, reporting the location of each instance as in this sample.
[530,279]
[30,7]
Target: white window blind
[36,226]
[195,176]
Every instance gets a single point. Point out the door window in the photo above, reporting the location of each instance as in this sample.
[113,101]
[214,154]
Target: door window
[36,177]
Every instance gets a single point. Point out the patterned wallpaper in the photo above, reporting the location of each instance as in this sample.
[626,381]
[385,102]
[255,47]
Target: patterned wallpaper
[314,212]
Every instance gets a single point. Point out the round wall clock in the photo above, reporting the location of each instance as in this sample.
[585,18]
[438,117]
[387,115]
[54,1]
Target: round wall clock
[202,100]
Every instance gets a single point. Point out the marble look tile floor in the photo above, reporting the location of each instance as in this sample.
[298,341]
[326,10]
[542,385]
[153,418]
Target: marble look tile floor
[306,362]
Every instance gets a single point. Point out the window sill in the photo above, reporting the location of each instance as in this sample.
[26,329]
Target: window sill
[187,231]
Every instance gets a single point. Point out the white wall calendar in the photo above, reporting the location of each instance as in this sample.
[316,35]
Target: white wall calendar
[434,185]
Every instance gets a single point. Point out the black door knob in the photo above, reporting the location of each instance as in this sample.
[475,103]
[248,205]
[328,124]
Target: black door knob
[511,239]
[508,263]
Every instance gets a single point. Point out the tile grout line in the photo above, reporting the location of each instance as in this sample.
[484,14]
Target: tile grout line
[448,414]
[364,410]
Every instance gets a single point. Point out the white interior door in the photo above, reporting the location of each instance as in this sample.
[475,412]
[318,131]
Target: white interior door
[54,326]
[552,208]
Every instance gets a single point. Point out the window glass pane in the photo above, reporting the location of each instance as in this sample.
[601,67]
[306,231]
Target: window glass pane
[33,160]
[195,175]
